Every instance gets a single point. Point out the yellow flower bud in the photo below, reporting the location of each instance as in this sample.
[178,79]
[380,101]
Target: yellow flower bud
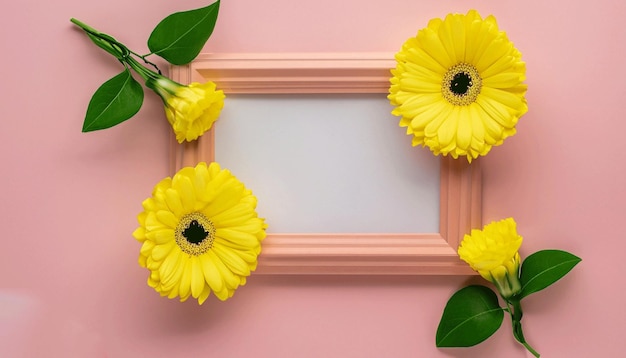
[493,253]
[191,110]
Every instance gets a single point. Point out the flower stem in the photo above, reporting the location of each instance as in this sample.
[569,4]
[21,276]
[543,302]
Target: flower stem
[117,49]
[530,349]
[104,41]
[515,310]
[145,73]
[145,60]
[84,26]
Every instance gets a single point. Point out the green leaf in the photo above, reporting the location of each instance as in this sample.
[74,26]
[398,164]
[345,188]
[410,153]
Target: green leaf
[471,315]
[179,38]
[115,101]
[544,268]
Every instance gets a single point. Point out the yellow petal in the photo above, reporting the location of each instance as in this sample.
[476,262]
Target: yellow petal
[152,223]
[252,250]
[171,268]
[249,256]
[419,85]
[185,297]
[167,218]
[448,129]
[234,262]
[172,293]
[430,114]
[229,195]
[430,42]
[211,273]
[229,278]
[185,278]
[479,36]
[161,236]
[504,81]
[159,252]
[237,237]
[464,130]
[495,50]
[197,277]
[418,56]
[496,112]
[204,295]
[201,178]
[223,295]
[478,128]
[146,248]
[253,225]
[416,105]
[493,131]
[439,115]
[152,283]
[151,264]
[139,234]
[509,105]
[173,201]
[183,185]
[235,215]
[452,35]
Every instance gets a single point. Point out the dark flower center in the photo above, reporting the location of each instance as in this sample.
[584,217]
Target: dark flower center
[195,232]
[461,82]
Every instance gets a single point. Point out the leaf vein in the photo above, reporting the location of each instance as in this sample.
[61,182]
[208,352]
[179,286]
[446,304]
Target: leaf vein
[117,95]
[545,271]
[469,319]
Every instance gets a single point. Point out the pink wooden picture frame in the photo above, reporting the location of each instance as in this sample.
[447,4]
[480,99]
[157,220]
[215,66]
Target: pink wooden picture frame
[353,253]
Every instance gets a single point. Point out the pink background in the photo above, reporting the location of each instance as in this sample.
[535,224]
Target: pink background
[70,285]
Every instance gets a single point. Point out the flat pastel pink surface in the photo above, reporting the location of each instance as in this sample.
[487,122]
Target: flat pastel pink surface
[71,286]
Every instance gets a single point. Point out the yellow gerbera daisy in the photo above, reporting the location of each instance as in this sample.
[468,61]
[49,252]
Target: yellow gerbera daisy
[493,253]
[458,86]
[200,233]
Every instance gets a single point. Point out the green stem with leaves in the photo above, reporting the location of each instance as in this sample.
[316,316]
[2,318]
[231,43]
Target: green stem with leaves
[515,310]
[114,47]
